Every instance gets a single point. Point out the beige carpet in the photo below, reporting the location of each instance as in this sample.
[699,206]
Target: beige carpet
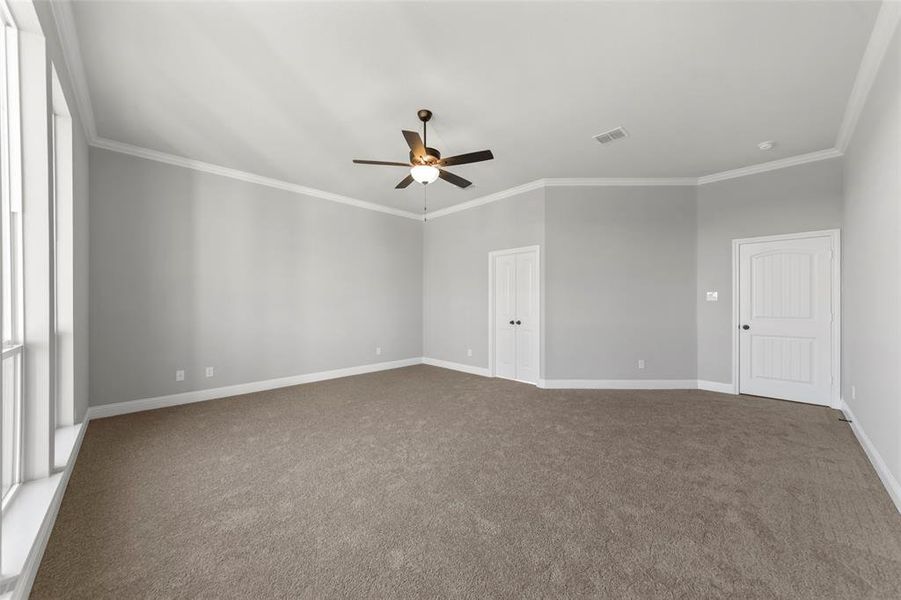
[427,483]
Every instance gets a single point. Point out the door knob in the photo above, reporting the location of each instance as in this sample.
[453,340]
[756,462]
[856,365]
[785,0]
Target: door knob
[511,322]
[519,322]
[746,327]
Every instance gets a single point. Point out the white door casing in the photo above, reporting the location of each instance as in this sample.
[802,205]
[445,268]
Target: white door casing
[787,310]
[514,313]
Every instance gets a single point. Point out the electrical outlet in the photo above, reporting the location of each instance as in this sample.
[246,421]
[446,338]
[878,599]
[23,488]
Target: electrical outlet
[180,375]
[853,393]
[469,352]
[641,364]
[378,350]
[210,371]
[713,296]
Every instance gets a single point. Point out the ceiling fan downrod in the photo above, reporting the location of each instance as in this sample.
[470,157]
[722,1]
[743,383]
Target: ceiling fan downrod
[424,115]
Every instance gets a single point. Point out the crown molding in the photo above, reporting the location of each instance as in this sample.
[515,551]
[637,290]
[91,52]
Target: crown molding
[68,35]
[782,163]
[563,182]
[68,38]
[197,165]
[520,189]
[619,181]
[189,163]
[877,47]
[774,165]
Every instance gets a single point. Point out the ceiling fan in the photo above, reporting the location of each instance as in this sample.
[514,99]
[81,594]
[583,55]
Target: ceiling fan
[426,163]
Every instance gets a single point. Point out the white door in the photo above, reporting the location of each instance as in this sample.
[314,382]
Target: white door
[505,316]
[516,315]
[785,319]
[527,317]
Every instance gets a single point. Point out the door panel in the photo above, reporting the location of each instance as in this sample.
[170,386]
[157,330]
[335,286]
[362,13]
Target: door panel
[782,284]
[785,300]
[527,317]
[504,313]
[782,358]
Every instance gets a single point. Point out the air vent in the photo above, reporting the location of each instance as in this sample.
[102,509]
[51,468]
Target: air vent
[612,135]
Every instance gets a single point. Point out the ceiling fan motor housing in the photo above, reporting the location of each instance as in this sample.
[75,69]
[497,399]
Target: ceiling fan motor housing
[432,156]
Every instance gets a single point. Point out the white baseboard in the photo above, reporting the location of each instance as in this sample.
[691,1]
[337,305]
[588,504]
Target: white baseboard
[716,386]
[131,406]
[636,384]
[888,480]
[597,384]
[25,579]
[446,364]
[618,384]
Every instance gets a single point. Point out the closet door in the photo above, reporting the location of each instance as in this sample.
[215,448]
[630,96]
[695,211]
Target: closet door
[505,316]
[526,322]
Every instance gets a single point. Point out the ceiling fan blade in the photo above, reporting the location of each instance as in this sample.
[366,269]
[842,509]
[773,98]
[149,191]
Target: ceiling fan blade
[465,159]
[381,162]
[415,143]
[454,179]
[404,182]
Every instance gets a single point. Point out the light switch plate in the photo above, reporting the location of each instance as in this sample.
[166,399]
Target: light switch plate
[713,296]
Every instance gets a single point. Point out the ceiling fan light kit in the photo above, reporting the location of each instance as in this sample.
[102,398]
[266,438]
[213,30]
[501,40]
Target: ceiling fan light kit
[424,174]
[426,163]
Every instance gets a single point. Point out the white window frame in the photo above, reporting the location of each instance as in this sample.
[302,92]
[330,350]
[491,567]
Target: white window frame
[11,324]
[62,259]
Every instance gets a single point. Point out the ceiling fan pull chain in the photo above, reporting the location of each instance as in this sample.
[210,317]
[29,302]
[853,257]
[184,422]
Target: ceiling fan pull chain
[425,203]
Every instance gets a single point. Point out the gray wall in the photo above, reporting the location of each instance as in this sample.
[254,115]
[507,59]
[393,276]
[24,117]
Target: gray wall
[620,282]
[80,212]
[455,291]
[624,269]
[871,291]
[190,270]
[605,303]
[803,198]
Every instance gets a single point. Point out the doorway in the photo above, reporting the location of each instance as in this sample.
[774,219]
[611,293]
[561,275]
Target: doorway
[786,316]
[514,314]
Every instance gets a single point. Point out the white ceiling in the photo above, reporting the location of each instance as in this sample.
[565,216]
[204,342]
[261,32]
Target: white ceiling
[295,90]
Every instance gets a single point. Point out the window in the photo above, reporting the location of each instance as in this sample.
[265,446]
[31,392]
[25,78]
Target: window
[10,262]
[62,267]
